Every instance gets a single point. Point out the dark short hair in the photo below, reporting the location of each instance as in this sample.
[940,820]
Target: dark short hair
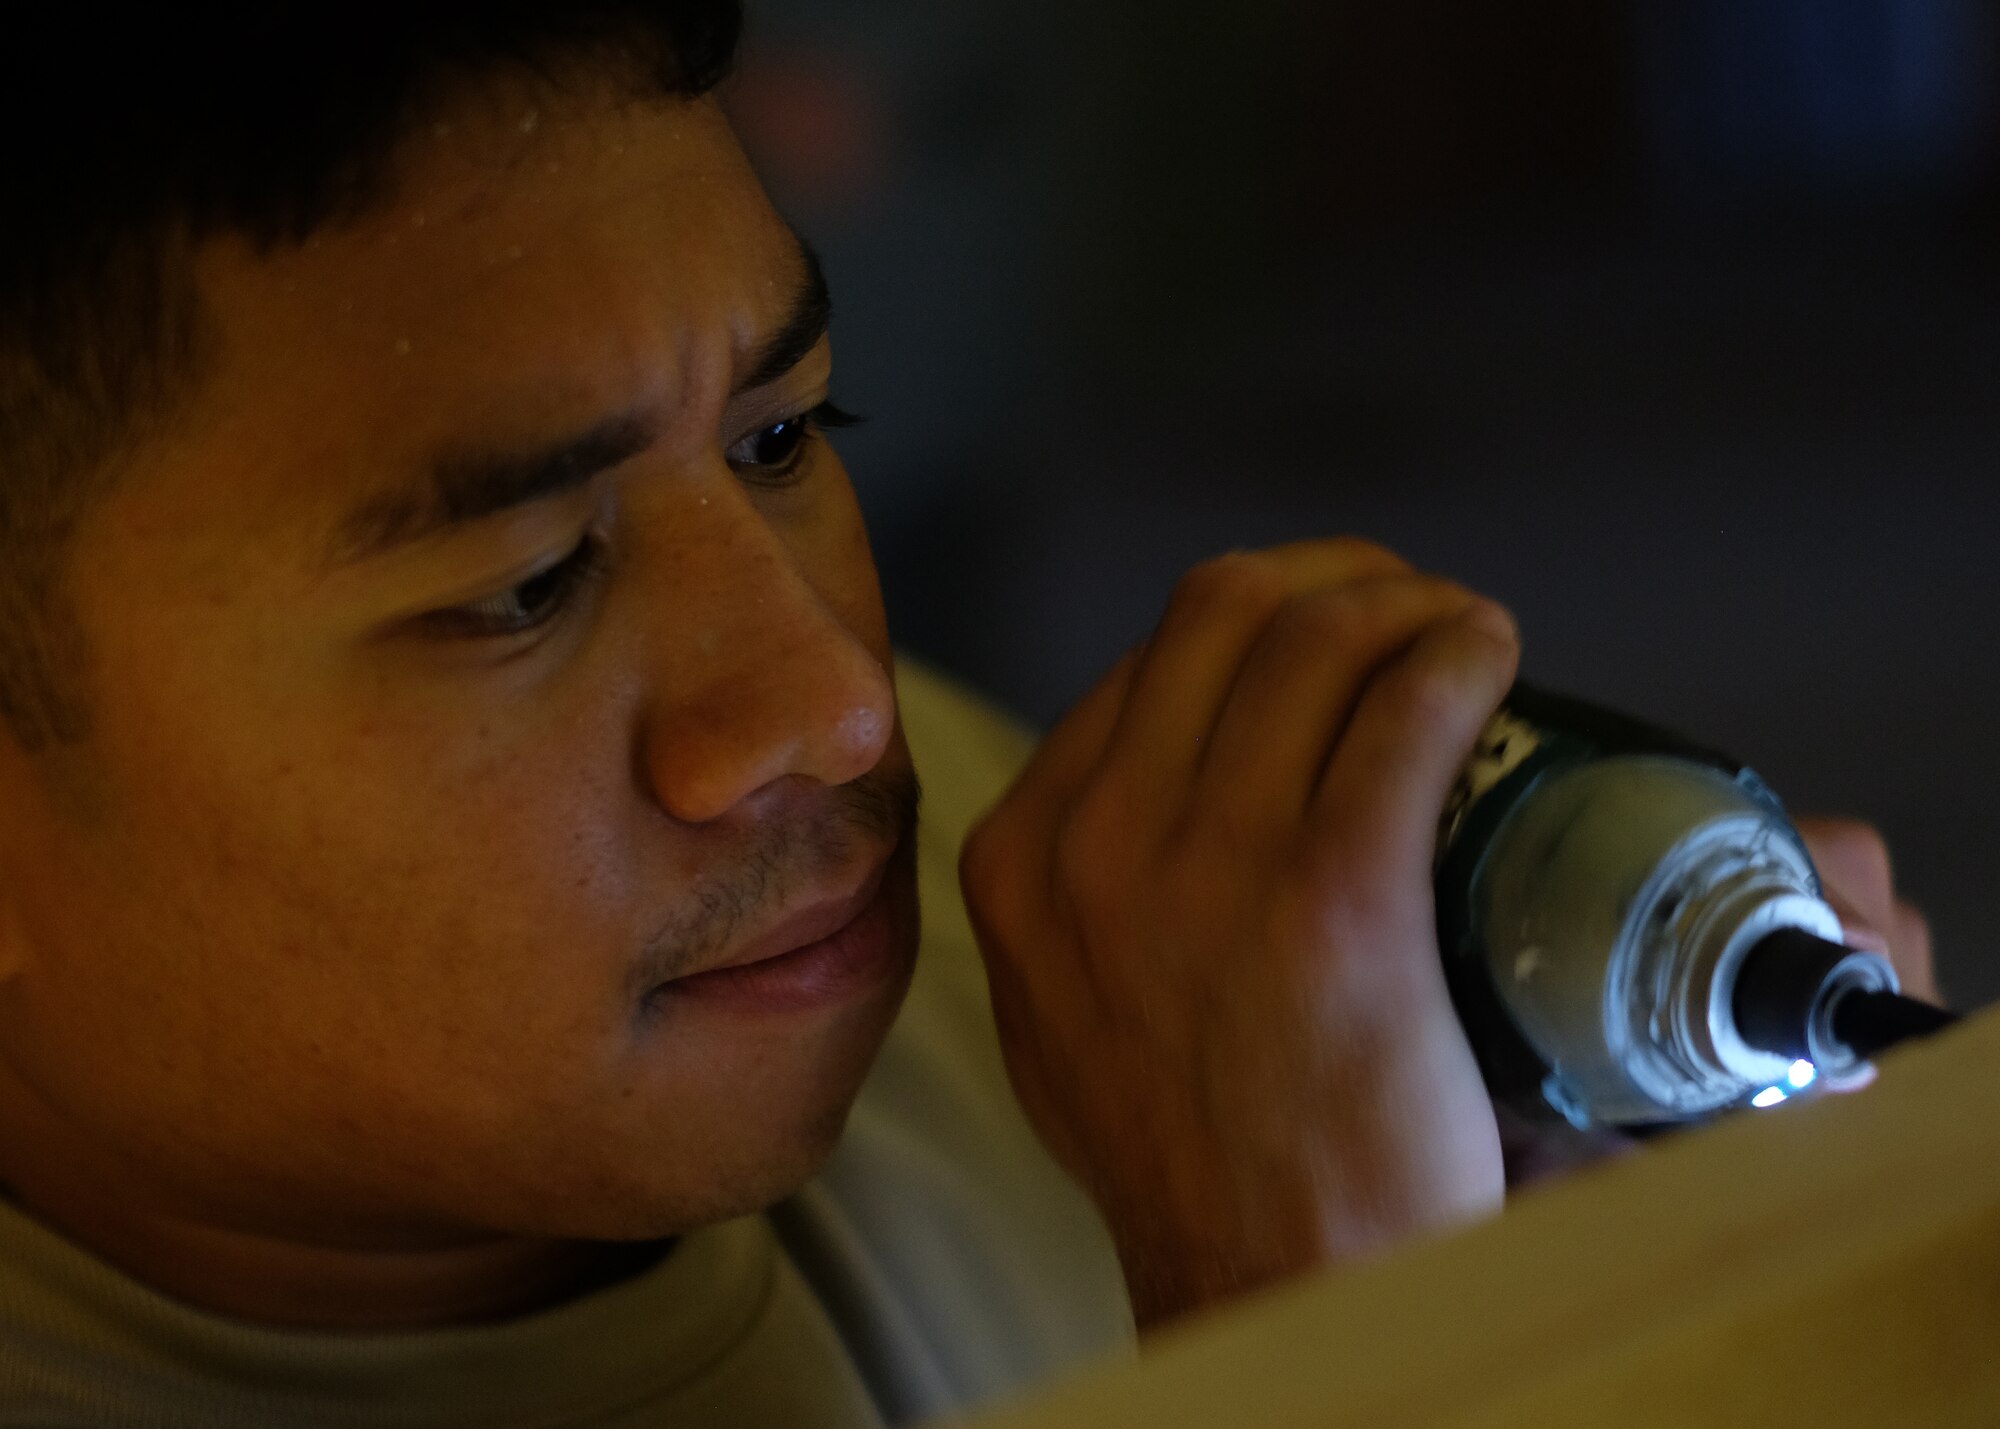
[134,133]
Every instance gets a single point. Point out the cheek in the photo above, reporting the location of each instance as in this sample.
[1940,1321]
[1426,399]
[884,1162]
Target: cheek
[339,932]
[832,548]
[479,884]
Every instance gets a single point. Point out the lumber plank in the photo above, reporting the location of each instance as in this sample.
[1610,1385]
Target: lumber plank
[1831,1261]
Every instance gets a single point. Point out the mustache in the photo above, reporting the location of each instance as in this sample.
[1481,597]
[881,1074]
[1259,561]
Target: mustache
[855,821]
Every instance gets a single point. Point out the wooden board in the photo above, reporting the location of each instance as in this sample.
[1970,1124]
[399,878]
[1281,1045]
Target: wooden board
[1827,1262]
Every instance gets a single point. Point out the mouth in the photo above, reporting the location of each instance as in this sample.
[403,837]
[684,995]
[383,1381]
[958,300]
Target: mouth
[832,948]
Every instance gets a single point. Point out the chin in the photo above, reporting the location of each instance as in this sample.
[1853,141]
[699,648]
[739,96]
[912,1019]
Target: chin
[743,1159]
[743,1180]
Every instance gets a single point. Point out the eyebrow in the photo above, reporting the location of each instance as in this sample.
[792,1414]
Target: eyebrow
[465,486]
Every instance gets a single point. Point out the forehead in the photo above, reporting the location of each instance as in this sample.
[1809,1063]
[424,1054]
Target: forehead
[539,265]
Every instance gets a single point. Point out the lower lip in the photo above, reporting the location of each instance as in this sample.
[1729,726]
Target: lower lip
[857,959]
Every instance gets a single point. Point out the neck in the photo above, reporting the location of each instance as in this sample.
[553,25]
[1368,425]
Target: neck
[264,1281]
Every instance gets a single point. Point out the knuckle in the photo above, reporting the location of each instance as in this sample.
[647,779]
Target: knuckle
[1336,558]
[1203,863]
[1493,619]
[1856,841]
[992,878]
[1869,844]
[1357,551]
[1089,843]
[1219,850]
[1339,886]
[1072,851]
[983,859]
[1233,581]
[1351,916]
[1434,696]
[1337,617]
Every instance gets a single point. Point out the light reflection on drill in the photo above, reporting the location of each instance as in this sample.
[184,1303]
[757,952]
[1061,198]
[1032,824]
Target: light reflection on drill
[1801,1076]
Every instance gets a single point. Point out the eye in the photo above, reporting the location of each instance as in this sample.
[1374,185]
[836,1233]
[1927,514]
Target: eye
[530,604]
[771,457]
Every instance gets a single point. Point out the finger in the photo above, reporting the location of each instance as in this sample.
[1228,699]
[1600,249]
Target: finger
[1857,875]
[1190,663]
[1857,929]
[1904,938]
[1853,861]
[1071,751]
[1008,867]
[1910,951]
[1413,729]
[1298,688]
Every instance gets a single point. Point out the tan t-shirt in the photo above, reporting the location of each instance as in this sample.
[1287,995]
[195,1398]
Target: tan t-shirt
[939,1259]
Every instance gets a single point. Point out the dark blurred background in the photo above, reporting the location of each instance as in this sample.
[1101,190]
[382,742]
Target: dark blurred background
[1674,324]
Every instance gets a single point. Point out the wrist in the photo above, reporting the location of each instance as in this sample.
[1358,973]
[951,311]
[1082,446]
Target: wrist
[1184,1248]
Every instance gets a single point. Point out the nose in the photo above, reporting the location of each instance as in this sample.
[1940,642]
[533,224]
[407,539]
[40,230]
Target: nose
[769,679]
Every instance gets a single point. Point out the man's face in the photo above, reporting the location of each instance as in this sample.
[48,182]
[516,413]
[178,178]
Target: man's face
[351,919]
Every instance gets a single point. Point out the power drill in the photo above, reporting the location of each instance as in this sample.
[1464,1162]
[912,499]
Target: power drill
[1634,932]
